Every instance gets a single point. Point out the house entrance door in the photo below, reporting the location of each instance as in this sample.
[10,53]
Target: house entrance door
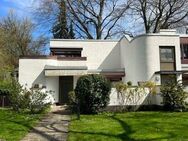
[65,86]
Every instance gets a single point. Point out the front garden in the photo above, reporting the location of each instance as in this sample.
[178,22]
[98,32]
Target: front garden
[90,120]
[91,123]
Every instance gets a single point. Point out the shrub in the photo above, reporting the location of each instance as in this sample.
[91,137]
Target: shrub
[129,83]
[92,92]
[73,102]
[72,98]
[37,102]
[5,87]
[17,99]
[24,100]
[4,93]
[174,95]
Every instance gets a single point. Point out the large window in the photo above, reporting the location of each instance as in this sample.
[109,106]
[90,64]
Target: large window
[184,51]
[167,58]
[66,52]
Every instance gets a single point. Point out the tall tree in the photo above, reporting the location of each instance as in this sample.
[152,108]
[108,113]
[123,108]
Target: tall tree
[71,31]
[97,19]
[60,29]
[92,19]
[53,15]
[17,38]
[161,14]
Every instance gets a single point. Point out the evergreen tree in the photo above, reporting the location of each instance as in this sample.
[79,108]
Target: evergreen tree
[60,28]
[71,31]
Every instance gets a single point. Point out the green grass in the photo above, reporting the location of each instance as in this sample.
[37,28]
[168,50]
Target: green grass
[139,126]
[14,126]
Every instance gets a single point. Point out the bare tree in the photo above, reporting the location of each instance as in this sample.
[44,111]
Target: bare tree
[16,38]
[161,14]
[92,19]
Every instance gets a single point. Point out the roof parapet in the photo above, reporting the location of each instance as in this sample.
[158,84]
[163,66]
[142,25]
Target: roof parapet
[167,32]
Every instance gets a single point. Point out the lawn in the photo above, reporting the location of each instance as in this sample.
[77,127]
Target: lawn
[14,126]
[138,126]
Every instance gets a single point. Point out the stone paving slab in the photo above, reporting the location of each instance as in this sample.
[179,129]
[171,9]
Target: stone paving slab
[54,127]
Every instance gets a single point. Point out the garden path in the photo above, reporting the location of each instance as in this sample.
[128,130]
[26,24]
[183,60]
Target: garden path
[53,127]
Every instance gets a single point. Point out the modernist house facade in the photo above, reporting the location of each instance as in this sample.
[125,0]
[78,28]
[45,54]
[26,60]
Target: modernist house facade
[149,57]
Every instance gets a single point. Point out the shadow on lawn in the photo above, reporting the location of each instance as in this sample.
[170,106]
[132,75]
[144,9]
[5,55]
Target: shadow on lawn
[126,135]
[48,131]
[34,130]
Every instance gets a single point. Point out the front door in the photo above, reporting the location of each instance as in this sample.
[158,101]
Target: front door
[65,86]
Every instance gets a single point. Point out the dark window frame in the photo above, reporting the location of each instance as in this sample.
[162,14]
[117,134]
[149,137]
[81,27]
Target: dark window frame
[174,56]
[66,52]
[182,48]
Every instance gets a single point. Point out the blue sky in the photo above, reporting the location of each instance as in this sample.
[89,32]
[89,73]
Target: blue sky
[22,8]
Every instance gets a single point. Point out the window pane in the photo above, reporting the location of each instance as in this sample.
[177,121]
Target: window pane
[185,49]
[166,54]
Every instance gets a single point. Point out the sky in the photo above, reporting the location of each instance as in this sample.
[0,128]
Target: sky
[23,9]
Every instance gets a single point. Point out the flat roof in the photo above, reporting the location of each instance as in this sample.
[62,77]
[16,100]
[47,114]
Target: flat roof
[87,40]
[183,35]
[47,67]
[171,72]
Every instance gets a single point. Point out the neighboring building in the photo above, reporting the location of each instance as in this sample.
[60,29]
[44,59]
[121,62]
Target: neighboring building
[150,57]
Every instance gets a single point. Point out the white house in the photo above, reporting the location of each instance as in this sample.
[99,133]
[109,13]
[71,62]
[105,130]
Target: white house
[149,57]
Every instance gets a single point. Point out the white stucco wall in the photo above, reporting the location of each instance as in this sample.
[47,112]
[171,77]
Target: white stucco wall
[101,54]
[31,71]
[52,87]
[141,59]
[144,98]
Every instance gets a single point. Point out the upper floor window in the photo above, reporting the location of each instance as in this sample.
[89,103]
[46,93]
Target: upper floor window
[184,51]
[166,54]
[167,58]
[66,52]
